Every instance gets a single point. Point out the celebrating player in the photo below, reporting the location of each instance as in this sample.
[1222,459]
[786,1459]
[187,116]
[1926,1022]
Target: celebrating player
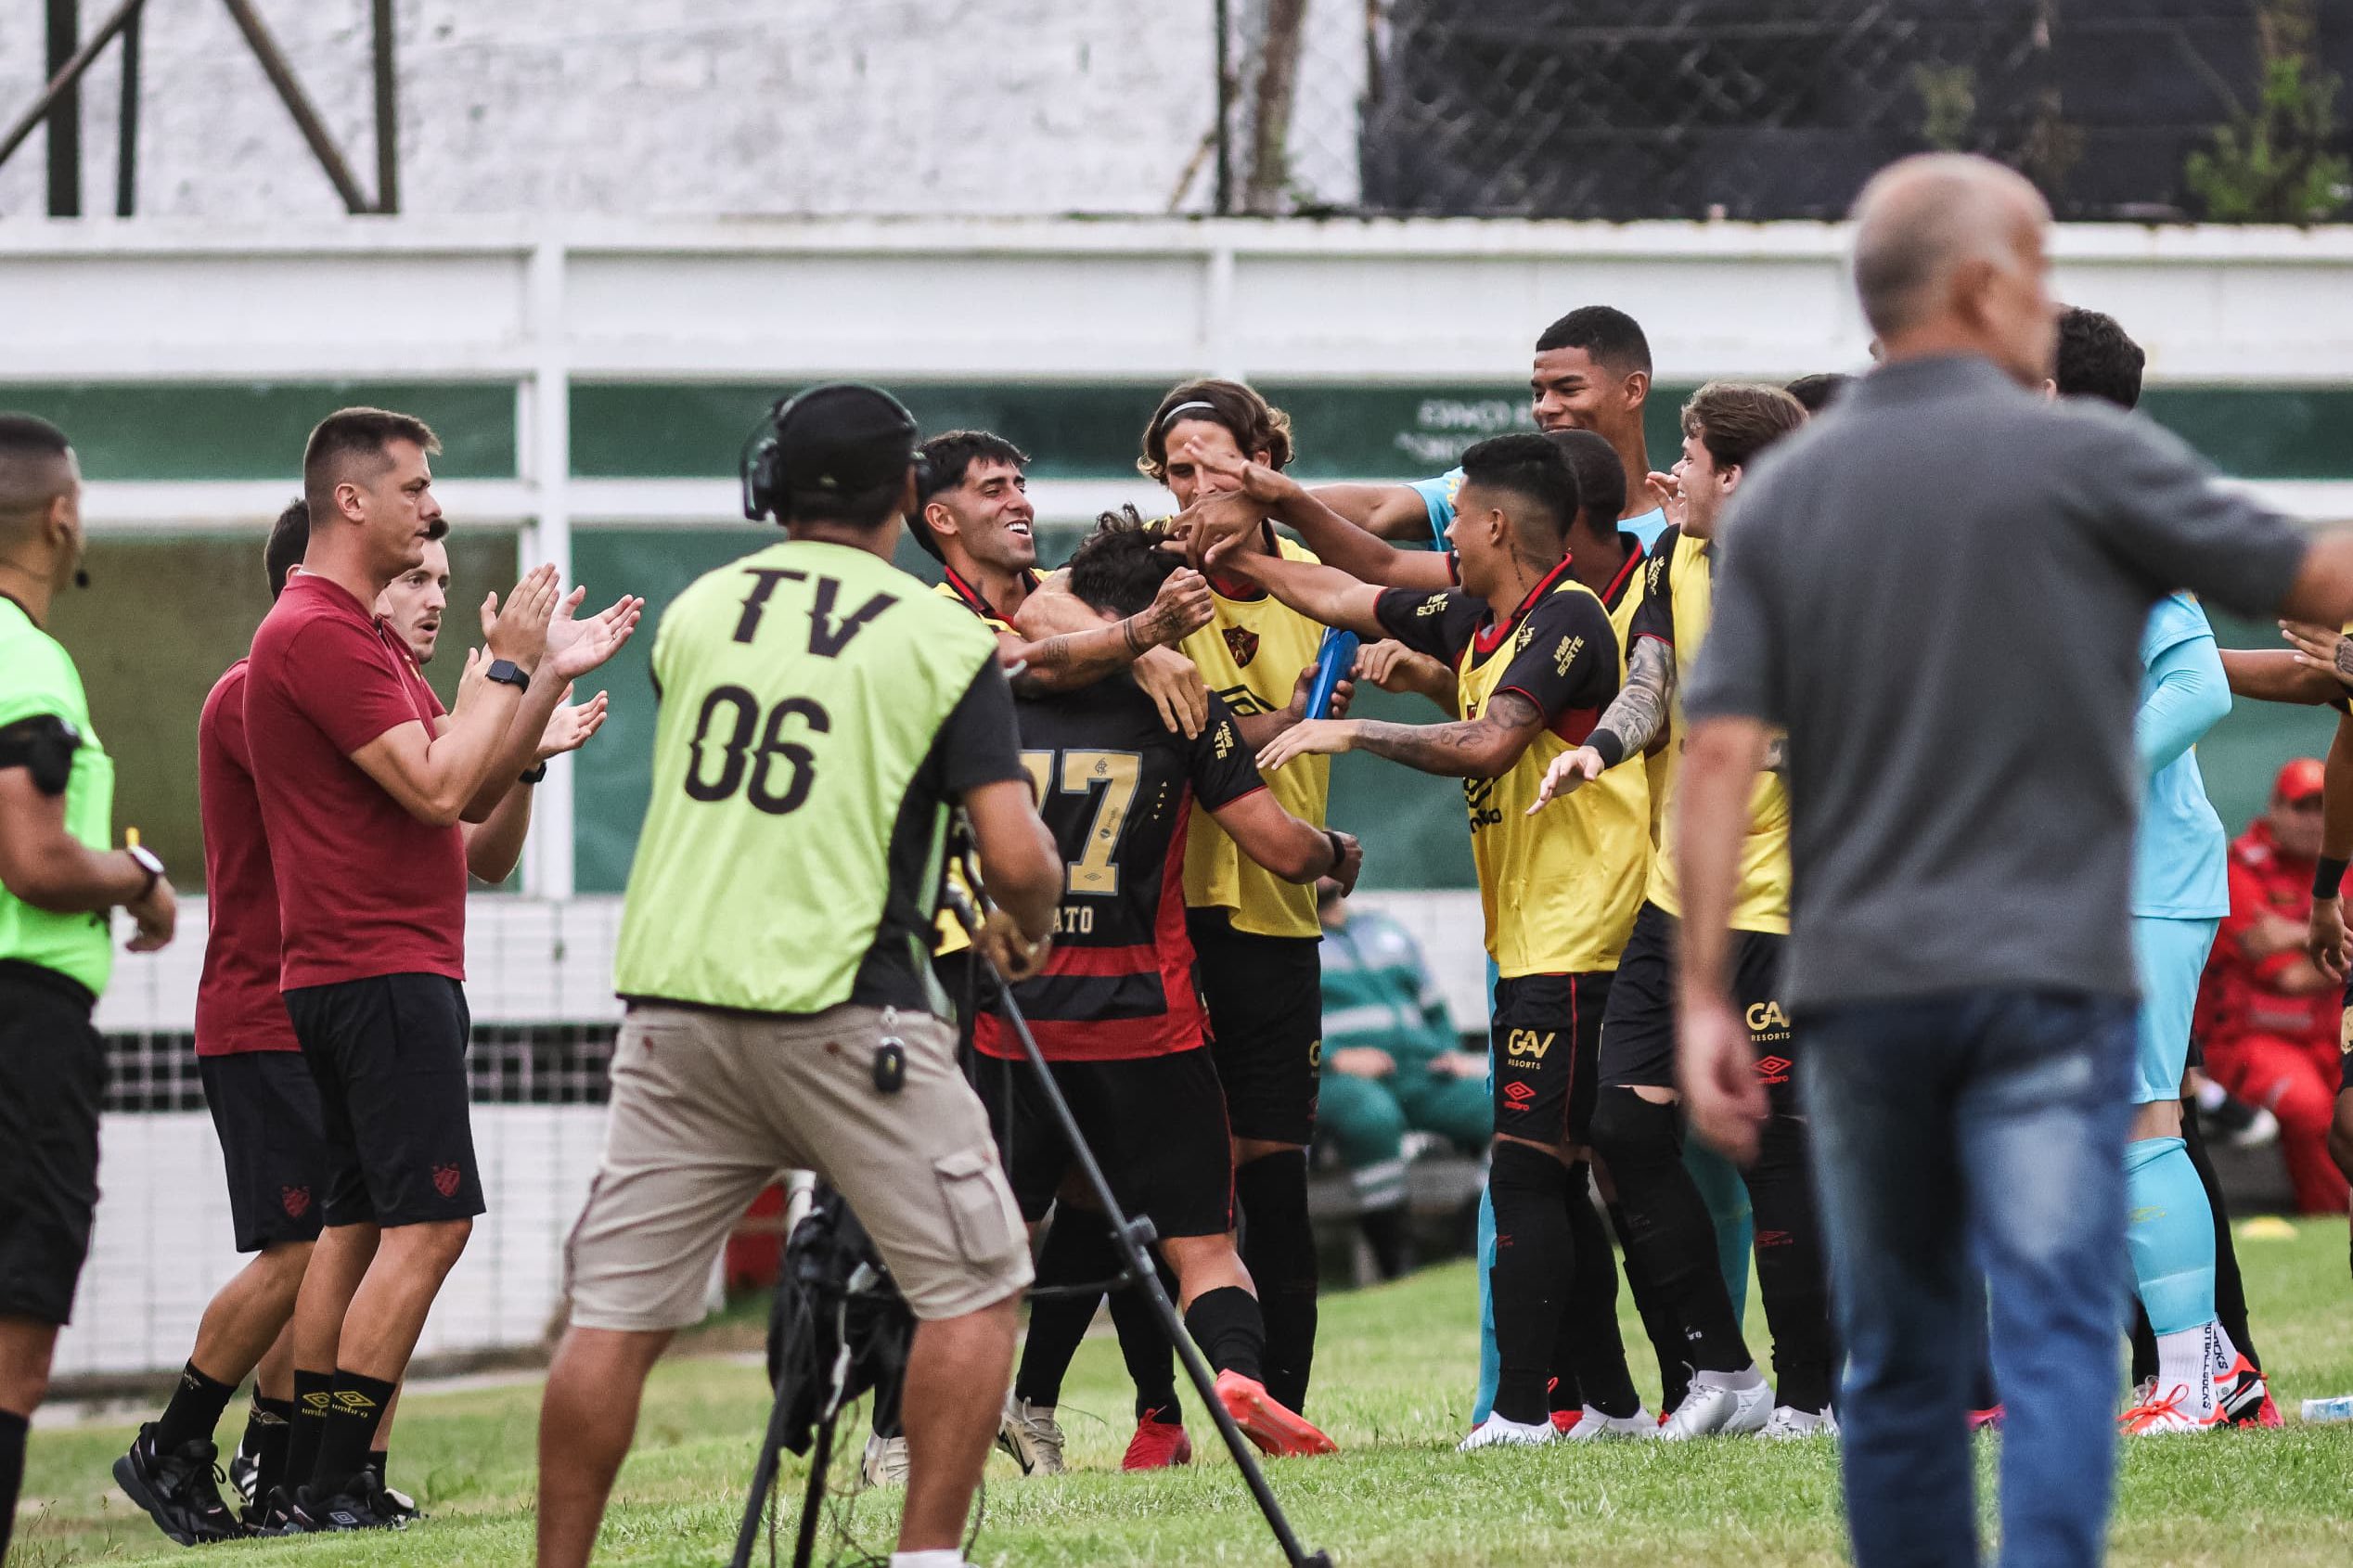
[1116,1010]
[1635,1127]
[1558,898]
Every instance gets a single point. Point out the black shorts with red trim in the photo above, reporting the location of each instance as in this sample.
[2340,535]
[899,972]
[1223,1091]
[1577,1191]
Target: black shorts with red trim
[1637,1030]
[1266,1025]
[1156,1124]
[1545,1038]
[264,1107]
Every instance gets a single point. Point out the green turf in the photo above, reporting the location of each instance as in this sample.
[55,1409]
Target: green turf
[1393,1385]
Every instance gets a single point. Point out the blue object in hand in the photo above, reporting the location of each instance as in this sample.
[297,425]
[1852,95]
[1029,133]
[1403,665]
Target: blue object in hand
[1335,657]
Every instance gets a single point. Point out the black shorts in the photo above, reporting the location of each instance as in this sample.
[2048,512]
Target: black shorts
[264,1107]
[1638,1030]
[1265,996]
[1543,1039]
[52,1076]
[389,1054]
[1156,1124]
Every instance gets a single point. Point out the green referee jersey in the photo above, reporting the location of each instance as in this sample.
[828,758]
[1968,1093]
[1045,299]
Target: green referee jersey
[790,856]
[37,679]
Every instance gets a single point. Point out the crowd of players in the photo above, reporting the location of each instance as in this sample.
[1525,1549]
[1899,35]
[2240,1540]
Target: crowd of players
[1546,597]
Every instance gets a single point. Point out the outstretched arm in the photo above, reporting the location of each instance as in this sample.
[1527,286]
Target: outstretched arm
[1062,644]
[1320,592]
[1385,511]
[1633,720]
[1218,522]
[1481,748]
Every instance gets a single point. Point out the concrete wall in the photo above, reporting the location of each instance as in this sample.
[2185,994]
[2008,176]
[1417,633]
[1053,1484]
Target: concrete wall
[704,106]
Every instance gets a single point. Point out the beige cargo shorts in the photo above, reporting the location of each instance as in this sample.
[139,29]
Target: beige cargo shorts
[708,1107]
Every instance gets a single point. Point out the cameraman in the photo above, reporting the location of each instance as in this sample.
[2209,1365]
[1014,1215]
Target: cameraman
[821,712]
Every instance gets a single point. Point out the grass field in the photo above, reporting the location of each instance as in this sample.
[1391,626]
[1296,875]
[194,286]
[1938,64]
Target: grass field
[1393,1385]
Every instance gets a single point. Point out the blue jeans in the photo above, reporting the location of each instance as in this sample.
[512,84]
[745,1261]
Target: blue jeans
[1979,1130]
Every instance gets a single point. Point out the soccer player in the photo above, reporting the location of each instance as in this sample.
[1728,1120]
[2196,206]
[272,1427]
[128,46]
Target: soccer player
[1558,896]
[363,782]
[1592,372]
[1256,934]
[821,712]
[1636,1125]
[58,884]
[1116,1008]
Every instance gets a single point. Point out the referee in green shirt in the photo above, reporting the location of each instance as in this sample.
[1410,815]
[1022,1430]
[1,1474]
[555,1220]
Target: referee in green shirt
[821,712]
[58,879]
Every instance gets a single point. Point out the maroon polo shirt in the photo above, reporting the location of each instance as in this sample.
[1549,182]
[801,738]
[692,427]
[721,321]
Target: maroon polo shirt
[364,889]
[238,1005]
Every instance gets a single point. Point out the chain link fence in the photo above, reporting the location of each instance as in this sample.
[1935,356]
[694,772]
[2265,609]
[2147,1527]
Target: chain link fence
[2142,109]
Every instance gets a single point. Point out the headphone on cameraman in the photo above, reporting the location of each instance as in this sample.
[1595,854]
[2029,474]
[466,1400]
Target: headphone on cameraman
[761,462]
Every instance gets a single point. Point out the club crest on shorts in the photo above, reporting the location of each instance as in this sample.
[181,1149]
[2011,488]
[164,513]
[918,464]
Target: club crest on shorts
[1242,644]
[445,1179]
[296,1200]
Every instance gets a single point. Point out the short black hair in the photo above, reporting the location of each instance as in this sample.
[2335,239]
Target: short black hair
[1612,337]
[2097,358]
[1530,467]
[1119,567]
[947,458]
[863,511]
[29,435]
[1814,392]
[1600,476]
[290,537]
[355,433]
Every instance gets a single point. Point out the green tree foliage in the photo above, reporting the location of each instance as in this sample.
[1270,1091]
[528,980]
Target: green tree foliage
[2277,164]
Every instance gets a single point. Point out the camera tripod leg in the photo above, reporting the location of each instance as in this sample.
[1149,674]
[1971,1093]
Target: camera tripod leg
[813,1496]
[763,1480]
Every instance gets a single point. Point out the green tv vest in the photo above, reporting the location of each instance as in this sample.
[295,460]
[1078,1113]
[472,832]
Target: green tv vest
[37,677]
[802,688]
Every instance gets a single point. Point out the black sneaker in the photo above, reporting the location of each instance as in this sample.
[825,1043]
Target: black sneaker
[179,1490]
[274,1515]
[397,1506]
[245,1476]
[357,1506]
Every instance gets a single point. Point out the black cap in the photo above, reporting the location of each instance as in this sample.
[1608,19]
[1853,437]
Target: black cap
[842,439]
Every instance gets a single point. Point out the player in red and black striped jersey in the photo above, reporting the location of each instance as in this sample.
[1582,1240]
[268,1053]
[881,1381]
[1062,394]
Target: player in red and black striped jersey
[1116,1011]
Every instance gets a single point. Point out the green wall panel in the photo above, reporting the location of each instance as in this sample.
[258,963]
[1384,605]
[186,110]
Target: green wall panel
[163,617]
[251,430]
[651,430]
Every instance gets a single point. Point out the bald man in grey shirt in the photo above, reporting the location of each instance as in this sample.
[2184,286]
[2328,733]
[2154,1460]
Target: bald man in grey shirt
[1937,592]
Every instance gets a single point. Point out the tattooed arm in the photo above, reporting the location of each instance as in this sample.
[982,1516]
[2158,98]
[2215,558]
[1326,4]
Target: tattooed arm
[1062,644]
[1635,720]
[1481,748]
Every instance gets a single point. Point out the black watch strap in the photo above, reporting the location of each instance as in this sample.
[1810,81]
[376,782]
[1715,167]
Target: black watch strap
[536,775]
[505,672]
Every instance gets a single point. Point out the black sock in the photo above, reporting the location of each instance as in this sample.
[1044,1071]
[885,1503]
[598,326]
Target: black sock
[354,1413]
[1592,1345]
[13,1428]
[1078,1249]
[268,1427]
[1793,1271]
[1983,1395]
[1278,1248]
[1226,1324]
[1658,1324]
[194,1409]
[1143,1344]
[1535,1257]
[2144,1345]
[2229,1290]
[1668,1229]
[381,1461]
[313,1392]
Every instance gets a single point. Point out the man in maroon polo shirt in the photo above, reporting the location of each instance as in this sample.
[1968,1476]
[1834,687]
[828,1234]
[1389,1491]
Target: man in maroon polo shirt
[363,782]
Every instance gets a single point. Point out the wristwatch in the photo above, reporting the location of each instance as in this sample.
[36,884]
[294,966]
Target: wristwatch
[536,775]
[149,861]
[505,672]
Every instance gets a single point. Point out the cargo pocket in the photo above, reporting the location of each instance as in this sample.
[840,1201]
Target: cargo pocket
[980,1206]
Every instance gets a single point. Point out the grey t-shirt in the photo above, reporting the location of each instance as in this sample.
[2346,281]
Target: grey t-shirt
[1938,588]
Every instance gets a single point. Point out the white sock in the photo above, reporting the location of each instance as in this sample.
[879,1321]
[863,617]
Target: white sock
[2221,1354]
[938,1557]
[1748,1378]
[2183,1362]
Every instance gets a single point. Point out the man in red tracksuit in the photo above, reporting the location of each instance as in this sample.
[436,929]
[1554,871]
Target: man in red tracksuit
[2268,1018]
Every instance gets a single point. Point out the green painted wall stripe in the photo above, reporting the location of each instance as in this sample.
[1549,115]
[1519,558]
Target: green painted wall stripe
[660,430]
[255,430]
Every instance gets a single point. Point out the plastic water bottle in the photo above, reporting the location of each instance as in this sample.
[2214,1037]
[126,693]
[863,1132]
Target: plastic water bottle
[1335,657]
[2339,1408]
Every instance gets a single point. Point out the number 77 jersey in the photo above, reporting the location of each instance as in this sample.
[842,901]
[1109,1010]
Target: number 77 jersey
[820,711]
[1117,791]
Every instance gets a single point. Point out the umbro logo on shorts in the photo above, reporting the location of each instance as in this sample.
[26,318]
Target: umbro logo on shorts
[445,1179]
[1519,1092]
